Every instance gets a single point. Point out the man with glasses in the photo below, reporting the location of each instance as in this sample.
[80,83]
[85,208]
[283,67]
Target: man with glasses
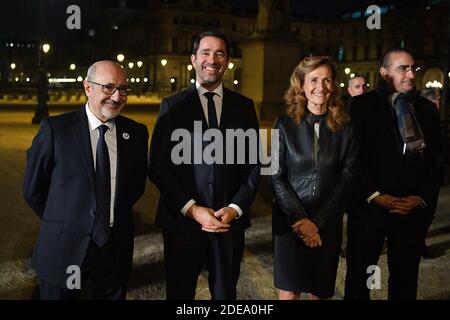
[85,171]
[399,136]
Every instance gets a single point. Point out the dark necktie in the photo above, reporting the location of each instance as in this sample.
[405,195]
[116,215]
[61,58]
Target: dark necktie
[103,190]
[212,116]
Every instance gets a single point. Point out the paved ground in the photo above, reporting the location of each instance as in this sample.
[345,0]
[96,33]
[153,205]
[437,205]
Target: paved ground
[19,226]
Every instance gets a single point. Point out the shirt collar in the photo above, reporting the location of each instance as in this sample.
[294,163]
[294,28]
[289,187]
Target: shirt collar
[202,90]
[95,122]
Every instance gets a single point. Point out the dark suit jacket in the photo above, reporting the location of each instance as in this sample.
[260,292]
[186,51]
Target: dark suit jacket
[59,186]
[213,186]
[384,168]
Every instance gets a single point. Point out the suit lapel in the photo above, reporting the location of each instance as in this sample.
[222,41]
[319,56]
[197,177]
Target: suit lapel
[123,137]
[197,109]
[83,140]
[225,116]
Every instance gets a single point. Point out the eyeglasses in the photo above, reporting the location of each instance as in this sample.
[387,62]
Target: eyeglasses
[403,69]
[110,89]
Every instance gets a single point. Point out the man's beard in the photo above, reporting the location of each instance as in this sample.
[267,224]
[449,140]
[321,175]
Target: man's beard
[109,114]
[390,81]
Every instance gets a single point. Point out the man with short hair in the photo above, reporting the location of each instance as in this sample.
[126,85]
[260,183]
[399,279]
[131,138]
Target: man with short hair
[357,85]
[434,95]
[204,207]
[85,170]
[398,132]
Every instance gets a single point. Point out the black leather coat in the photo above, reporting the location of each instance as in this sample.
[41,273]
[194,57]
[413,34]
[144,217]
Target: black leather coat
[309,184]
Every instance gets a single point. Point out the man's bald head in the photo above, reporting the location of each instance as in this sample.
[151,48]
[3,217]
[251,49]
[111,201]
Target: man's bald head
[102,76]
[104,66]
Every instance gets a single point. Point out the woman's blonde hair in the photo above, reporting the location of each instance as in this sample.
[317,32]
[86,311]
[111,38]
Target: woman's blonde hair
[296,101]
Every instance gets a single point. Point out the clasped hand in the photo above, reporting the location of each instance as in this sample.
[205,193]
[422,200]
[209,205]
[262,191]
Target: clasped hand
[210,220]
[308,232]
[398,205]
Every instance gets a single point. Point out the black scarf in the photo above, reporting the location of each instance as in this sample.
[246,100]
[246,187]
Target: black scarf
[407,124]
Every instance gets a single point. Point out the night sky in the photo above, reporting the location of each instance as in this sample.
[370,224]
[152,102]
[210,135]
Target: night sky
[20,18]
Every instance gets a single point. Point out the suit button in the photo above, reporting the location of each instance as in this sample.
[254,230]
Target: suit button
[92,212]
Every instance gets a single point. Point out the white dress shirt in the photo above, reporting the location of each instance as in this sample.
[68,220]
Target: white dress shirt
[373,196]
[111,142]
[218,99]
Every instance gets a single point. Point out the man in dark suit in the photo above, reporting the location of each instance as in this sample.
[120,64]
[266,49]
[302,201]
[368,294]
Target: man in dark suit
[434,96]
[85,171]
[400,145]
[204,207]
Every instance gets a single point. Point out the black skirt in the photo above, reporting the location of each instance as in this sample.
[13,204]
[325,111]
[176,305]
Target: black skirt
[300,268]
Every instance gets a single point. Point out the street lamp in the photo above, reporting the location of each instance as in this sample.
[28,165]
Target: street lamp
[231,65]
[72,66]
[173,84]
[42,109]
[347,70]
[139,64]
[120,57]
[163,84]
[46,47]
[13,66]
[131,65]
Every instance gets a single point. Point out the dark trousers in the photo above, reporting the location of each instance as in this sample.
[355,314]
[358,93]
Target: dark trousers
[99,278]
[186,253]
[355,276]
[431,210]
[404,234]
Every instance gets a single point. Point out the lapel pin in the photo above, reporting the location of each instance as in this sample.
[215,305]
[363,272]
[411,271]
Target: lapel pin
[126,136]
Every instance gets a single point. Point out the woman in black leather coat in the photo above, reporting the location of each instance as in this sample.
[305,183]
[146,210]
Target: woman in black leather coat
[315,162]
